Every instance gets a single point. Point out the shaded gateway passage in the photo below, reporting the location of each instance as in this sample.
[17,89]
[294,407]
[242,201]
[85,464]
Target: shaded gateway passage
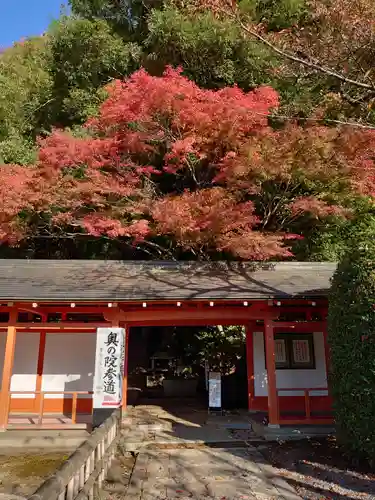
[167,363]
[206,473]
[184,453]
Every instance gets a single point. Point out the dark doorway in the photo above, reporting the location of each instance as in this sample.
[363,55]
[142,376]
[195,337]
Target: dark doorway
[171,363]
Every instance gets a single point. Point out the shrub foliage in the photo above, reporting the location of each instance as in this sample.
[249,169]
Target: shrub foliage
[351,326]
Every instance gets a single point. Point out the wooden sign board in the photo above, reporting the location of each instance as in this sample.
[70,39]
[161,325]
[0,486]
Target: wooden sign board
[109,368]
[214,391]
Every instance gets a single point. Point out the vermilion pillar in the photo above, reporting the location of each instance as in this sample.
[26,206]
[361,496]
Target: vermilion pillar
[126,362]
[10,348]
[39,366]
[327,357]
[271,372]
[250,363]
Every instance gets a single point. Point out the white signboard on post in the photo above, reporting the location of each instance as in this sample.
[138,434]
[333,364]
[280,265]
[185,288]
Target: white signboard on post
[109,367]
[214,390]
[206,372]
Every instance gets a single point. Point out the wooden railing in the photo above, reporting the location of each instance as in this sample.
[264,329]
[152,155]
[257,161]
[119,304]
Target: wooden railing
[42,395]
[308,417]
[86,469]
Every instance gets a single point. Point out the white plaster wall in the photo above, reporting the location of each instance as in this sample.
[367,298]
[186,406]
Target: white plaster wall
[69,363]
[25,362]
[290,378]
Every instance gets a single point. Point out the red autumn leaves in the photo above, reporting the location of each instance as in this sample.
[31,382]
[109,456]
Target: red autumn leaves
[200,168]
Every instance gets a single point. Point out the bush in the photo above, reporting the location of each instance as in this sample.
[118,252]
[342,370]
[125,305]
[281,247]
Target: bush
[212,53]
[276,14]
[351,328]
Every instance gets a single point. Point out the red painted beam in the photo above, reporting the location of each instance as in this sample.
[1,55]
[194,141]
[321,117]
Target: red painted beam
[63,325]
[299,326]
[213,315]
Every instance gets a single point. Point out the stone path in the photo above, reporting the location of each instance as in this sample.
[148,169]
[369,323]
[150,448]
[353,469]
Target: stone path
[206,473]
[149,424]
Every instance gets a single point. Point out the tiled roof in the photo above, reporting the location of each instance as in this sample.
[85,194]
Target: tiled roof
[96,280]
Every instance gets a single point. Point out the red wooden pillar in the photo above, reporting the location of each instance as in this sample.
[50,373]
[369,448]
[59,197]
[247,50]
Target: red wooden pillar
[250,363]
[10,349]
[327,355]
[39,369]
[125,376]
[40,366]
[271,372]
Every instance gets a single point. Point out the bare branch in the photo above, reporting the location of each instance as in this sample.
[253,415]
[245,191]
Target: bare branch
[317,120]
[305,62]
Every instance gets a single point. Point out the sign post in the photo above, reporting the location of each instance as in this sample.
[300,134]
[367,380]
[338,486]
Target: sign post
[206,373]
[214,392]
[109,369]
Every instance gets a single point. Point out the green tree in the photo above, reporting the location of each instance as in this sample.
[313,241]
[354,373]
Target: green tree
[126,17]
[85,55]
[276,14]
[57,80]
[351,325]
[330,240]
[25,91]
[212,52]
[220,346]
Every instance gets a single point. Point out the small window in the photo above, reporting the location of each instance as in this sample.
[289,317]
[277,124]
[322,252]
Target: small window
[294,351]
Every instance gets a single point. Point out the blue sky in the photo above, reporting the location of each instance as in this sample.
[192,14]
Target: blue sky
[23,18]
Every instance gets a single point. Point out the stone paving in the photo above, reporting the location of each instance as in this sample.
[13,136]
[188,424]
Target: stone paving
[148,424]
[184,453]
[206,473]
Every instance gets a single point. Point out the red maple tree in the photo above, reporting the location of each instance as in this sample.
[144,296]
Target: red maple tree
[197,167]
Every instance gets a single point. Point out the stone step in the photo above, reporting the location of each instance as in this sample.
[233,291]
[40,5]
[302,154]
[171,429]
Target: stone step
[174,444]
[42,440]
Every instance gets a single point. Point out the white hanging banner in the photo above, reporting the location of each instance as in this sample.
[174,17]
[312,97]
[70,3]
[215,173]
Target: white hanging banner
[206,372]
[214,390]
[109,367]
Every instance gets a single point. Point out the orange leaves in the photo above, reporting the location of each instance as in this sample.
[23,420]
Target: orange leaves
[16,181]
[341,159]
[220,8]
[201,169]
[21,192]
[206,218]
[215,219]
[340,37]
[317,208]
[147,112]
[102,225]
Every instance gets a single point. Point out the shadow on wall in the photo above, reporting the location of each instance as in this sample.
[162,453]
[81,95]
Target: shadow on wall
[24,367]
[69,366]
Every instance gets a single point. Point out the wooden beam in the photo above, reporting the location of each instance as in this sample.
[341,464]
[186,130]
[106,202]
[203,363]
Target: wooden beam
[300,326]
[125,376]
[212,316]
[58,330]
[250,363]
[115,321]
[10,349]
[45,307]
[327,353]
[271,373]
[60,326]
[39,369]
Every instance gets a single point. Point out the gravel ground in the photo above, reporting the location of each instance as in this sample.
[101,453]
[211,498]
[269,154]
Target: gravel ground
[319,470]
[118,477]
[243,434]
[22,474]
